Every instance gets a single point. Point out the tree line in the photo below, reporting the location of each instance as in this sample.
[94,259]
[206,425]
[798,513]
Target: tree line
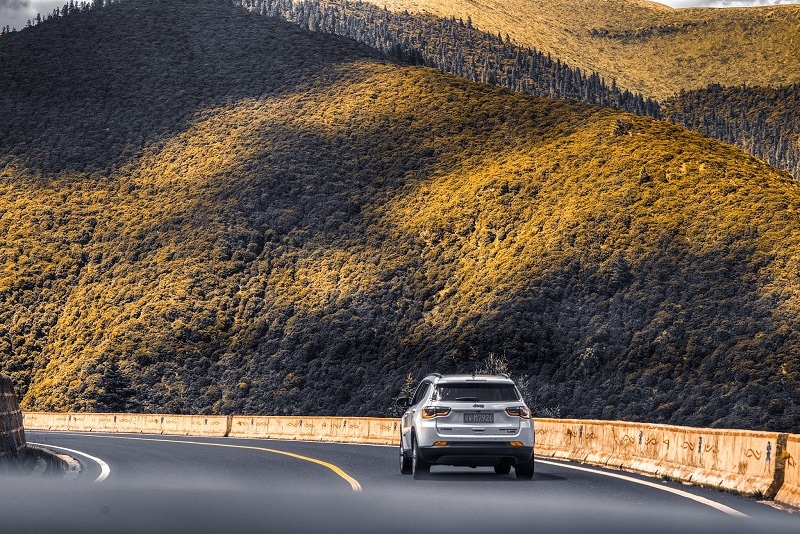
[455,46]
[763,121]
[70,8]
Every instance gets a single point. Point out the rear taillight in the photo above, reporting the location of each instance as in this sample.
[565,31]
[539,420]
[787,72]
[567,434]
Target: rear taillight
[435,411]
[519,411]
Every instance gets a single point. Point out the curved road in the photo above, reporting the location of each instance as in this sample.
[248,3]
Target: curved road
[150,483]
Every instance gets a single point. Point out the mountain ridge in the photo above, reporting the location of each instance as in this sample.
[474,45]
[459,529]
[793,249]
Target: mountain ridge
[765,129]
[456,46]
[625,41]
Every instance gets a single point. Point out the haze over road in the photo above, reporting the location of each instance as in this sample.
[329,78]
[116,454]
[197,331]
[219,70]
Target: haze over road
[144,483]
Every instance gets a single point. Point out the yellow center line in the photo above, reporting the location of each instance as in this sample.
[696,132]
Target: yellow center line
[354,484]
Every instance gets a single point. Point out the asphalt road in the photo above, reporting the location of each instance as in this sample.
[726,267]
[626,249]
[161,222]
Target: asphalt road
[151,483]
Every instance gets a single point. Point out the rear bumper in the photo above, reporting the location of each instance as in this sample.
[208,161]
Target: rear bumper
[476,454]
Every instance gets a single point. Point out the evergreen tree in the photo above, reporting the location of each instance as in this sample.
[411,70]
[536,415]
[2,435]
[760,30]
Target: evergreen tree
[116,393]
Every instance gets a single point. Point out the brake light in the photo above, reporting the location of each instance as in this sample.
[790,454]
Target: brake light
[519,411]
[435,411]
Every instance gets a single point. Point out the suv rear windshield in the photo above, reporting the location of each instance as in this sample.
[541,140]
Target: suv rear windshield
[476,392]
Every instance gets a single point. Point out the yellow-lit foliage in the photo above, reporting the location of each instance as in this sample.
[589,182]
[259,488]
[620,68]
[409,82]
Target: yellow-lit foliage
[306,248]
[647,47]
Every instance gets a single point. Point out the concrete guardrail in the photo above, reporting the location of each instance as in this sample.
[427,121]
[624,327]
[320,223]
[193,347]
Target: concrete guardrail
[12,432]
[789,493]
[312,428]
[373,430]
[762,464]
[177,425]
[751,463]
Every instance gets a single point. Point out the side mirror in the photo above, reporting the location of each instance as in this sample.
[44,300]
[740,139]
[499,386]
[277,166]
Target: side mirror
[403,402]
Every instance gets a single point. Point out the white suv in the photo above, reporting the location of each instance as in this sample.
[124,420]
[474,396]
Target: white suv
[466,420]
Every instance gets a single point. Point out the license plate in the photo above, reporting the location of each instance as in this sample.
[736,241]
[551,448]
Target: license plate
[479,418]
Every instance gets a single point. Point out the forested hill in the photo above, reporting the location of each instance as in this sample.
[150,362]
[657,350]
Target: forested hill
[211,211]
[646,46]
[456,46]
[92,88]
[764,121]
[763,124]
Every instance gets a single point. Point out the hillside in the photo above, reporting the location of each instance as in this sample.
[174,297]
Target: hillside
[210,211]
[457,47]
[764,126]
[763,121]
[647,47]
[760,120]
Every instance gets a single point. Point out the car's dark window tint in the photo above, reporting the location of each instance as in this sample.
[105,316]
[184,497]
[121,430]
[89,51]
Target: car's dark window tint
[477,392]
[420,393]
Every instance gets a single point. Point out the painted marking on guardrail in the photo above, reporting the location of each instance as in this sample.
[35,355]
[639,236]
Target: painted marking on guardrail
[105,470]
[702,500]
[355,485]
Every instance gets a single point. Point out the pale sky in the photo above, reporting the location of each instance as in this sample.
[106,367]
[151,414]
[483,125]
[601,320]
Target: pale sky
[16,13]
[724,3]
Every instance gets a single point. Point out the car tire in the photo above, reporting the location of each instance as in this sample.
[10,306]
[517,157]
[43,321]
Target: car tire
[524,470]
[405,460]
[502,469]
[419,467]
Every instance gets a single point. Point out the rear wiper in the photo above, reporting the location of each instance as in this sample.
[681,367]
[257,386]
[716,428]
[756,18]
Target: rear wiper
[467,399]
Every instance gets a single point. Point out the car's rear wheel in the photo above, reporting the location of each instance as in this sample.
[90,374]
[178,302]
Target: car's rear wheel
[419,467]
[503,468]
[405,460]
[524,470]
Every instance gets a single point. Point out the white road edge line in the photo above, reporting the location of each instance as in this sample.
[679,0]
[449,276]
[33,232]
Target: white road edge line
[355,485]
[702,500]
[105,470]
